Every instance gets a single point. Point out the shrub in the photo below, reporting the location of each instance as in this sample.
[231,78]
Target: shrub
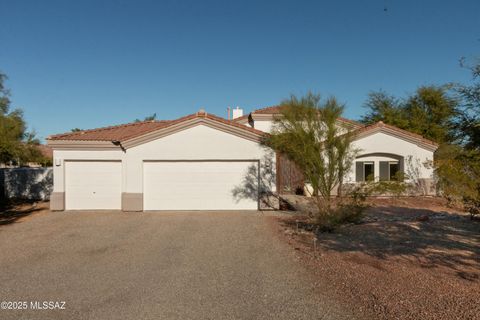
[348,209]
[458,173]
[472,206]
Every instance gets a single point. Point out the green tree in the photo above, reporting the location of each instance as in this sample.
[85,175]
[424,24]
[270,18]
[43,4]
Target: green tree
[429,112]
[467,123]
[458,166]
[458,172]
[384,107]
[16,144]
[307,132]
[148,118]
[4,95]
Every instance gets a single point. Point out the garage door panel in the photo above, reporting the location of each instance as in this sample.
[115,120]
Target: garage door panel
[202,185]
[93,185]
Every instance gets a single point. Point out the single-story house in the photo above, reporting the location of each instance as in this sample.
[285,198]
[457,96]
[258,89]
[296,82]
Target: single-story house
[205,162]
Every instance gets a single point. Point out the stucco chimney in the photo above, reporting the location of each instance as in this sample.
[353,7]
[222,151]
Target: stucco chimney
[237,113]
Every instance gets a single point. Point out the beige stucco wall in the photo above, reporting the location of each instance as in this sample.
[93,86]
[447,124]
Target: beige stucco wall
[263,125]
[380,143]
[384,143]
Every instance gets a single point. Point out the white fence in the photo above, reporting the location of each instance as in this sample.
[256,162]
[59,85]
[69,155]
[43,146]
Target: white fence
[26,183]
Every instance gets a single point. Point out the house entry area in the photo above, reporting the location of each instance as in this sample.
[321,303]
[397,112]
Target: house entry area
[198,185]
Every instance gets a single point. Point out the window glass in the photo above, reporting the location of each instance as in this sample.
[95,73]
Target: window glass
[369,171]
[393,170]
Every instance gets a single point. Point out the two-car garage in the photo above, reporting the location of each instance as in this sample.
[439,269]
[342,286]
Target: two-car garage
[196,185]
[167,185]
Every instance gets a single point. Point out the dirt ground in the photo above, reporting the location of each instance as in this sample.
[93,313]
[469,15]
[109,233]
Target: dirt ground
[410,258]
[21,211]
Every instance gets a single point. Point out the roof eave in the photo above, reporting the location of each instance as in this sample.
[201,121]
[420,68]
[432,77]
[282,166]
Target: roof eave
[82,144]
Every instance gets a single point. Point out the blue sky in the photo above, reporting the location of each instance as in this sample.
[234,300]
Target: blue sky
[95,63]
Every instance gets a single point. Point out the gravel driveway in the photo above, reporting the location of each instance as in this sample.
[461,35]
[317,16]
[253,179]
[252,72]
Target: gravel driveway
[188,265]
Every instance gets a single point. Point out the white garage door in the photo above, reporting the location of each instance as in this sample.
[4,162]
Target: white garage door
[198,185]
[93,185]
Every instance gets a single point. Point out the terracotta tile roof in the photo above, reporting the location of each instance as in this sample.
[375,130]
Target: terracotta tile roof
[128,131]
[269,110]
[118,132]
[278,109]
[380,125]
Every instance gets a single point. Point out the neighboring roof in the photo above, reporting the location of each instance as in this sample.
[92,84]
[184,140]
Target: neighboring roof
[269,110]
[397,132]
[129,131]
[278,109]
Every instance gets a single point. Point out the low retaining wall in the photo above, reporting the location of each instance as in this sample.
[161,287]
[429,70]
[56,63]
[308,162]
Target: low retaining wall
[26,183]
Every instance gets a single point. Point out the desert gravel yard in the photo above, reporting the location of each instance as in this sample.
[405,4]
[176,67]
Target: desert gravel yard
[410,258]
[189,265]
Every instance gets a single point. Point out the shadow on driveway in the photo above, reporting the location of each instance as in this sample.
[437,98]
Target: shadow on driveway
[11,213]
